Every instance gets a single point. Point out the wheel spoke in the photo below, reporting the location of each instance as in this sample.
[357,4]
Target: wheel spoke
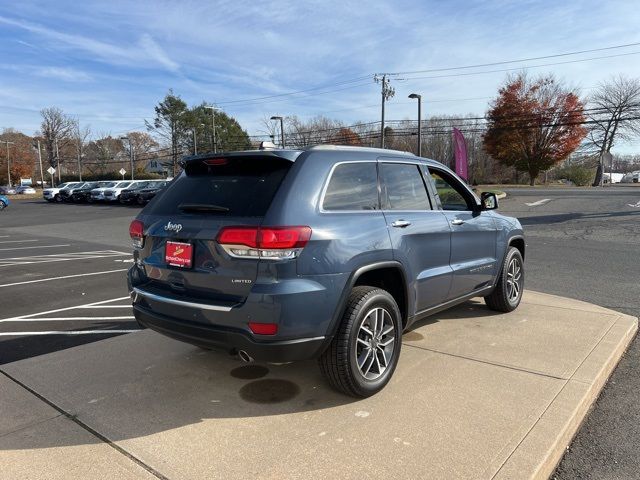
[366,330]
[364,342]
[380,369]
[384,357]
[367,354]
[387,342]
[373,359]
[387,330]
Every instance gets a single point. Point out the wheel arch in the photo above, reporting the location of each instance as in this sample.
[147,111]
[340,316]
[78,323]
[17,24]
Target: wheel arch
[388,275]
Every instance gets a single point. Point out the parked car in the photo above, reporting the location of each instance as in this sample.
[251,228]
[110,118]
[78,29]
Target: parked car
[7,190]
[130,194]
[25,190]
[4,202]
[66,192]
[632,177]
[83,194]
[145,195]
[97,194]
[113,194]
[329,253]
[53,194]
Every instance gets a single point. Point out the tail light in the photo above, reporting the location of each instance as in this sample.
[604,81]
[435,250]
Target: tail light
[271,243]
[136,232]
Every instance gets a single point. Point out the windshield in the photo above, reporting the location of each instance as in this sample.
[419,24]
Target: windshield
[106,184]
[123,184]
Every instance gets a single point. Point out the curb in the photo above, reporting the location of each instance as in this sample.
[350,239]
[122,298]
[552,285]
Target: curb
[543,447]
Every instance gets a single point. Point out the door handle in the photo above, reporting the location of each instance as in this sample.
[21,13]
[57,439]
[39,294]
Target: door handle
[400,224]
[457,221]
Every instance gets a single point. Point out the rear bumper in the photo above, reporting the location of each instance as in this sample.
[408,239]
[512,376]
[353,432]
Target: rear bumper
[230,340]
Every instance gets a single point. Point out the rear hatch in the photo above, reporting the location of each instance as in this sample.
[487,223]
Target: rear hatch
[211,193]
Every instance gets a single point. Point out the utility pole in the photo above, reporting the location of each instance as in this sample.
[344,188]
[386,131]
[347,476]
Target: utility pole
[213,109]
[79,153]
[130,153]
[387,92]
[58,161]
[40,160]
[8,160]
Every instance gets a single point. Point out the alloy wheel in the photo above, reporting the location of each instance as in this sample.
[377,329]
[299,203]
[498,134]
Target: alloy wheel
[514,280]
[375,343]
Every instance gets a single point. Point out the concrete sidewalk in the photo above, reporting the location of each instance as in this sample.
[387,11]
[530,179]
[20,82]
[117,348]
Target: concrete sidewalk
[476,395]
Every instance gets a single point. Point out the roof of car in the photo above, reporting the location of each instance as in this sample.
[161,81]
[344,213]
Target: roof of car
[293,154]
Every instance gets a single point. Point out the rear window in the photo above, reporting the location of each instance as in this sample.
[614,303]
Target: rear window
[353,186]
[240,186]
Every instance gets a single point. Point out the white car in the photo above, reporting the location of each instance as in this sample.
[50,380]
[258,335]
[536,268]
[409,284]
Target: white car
[26,189]
[113,194]
[52,194]
[633,177]
[97,194]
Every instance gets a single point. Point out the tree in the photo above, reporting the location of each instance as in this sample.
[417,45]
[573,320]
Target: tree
[346,136]
[172,123]
[534,124]
[229,134]
[21,156]
[57,131]
[614,112]
[106,151]
[80,139]
[142,146]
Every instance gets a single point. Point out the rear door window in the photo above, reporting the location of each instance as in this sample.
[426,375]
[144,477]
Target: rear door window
[403,187]
[353,186]
[235,186]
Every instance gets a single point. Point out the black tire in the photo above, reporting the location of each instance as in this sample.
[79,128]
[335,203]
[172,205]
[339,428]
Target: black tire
[503,298]
[57,198]
[2,205]
[339,362]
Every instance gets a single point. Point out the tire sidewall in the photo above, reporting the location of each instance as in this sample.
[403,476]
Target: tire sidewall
[379,299]
[513,252]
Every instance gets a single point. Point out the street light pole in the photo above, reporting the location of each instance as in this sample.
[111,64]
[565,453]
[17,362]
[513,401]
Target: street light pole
[8,160]
[276,117]
[419,97]
[213,109]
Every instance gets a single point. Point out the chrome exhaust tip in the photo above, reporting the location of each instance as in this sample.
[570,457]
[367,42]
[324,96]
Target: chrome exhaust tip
[245,357]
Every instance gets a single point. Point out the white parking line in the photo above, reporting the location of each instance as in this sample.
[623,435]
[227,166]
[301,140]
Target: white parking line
[39,246]
[538,203]
[71,332]
[65,309]
[63,277]
[60,257]
[18,241]
[55,319]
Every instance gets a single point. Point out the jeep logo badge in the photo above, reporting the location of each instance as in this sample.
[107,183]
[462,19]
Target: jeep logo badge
[173,227]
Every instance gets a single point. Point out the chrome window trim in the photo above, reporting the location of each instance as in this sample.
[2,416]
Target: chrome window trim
[328,180]
[182,303]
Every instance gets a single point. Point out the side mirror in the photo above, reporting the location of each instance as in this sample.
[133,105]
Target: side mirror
[489,201]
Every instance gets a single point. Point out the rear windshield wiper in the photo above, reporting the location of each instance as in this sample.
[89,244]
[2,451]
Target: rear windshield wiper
[201,207]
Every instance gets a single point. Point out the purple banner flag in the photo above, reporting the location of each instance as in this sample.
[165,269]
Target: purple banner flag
[460,154]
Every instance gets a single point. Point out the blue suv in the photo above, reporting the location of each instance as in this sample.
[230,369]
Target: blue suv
[328,252]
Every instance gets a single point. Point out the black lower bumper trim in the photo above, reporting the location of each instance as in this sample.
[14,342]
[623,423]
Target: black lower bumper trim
[229,340]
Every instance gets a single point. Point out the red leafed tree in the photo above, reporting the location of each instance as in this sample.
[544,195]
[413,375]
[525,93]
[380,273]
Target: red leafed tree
[534,124]
[346,136]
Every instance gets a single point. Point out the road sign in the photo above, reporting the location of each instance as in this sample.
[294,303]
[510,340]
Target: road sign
[122,171]
[51,170]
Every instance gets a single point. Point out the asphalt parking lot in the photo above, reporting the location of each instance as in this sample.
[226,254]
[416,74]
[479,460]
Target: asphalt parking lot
[62,279]
[581,243]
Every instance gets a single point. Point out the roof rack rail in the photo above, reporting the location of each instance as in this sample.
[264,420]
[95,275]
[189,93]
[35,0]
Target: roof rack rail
[351,147]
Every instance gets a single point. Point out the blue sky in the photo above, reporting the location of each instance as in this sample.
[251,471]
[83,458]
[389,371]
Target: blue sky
[110,62]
